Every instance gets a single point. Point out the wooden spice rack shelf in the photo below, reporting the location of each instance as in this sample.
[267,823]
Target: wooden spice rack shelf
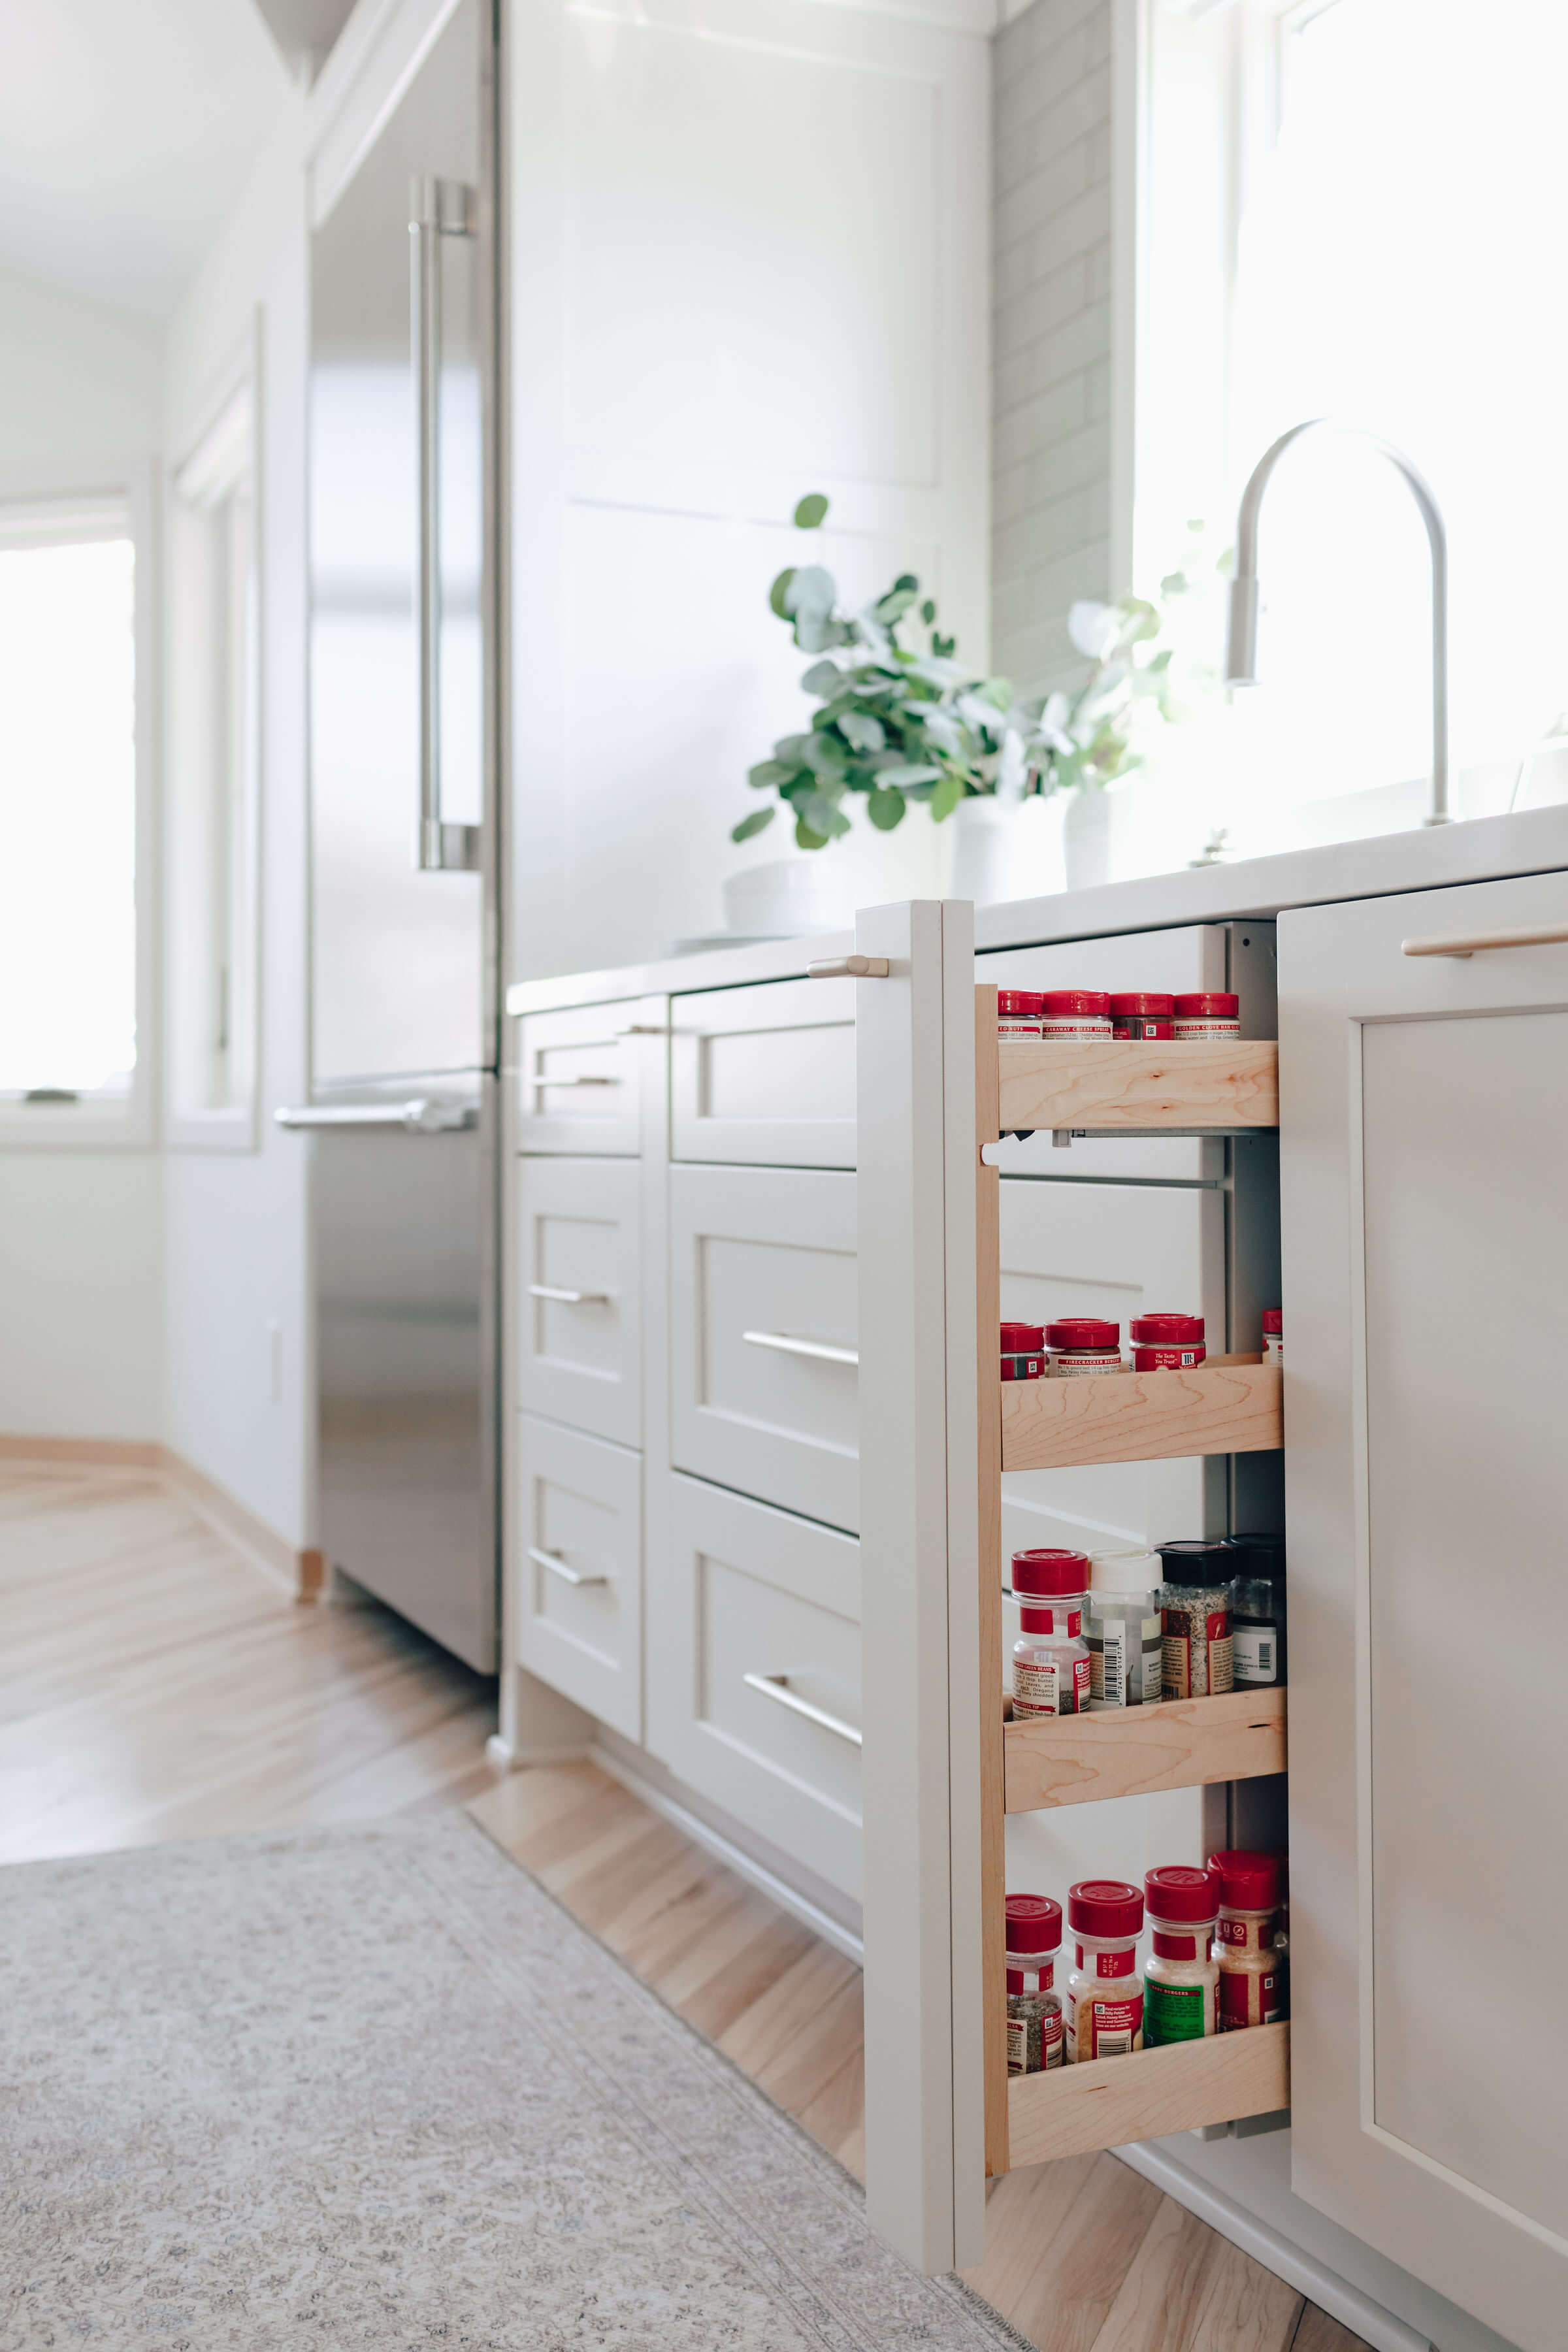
[1114,2100]
[1122,1087]
[1231,1404]
[1136,1752]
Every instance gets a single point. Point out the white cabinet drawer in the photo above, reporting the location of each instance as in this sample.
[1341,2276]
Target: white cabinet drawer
[577,1569]
[578,1079]
[754,1673]
[763,1334]
[1117,1250]
[764,1074]
[575,1275]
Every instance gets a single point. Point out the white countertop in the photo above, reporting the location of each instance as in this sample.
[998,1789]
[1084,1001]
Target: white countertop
[1486,849]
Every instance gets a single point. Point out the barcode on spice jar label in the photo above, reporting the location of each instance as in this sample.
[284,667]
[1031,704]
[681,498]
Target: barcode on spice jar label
[1253,1652]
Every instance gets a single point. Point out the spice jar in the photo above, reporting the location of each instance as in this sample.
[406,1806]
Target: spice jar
[1051,1656]
[1257,1611]
[1124,1632]
[1104,1989]
[1273,1336]
[1211,1013]
[1037,2036]
[1181,1996]
[1075,1013]
[1249,1989]
[1195,1610]
[1082,1343]
[1166,1343]
[1023,1351]
[1018,1012]
[1142,1015]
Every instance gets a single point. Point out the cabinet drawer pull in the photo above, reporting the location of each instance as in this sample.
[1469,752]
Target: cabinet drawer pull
[851,967]
[784,1345]
[1469,944]
[776,1687]
[557,1567]
[569,1297]
[583,1079]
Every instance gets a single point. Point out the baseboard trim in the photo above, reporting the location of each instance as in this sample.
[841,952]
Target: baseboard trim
[745,1865]
[1347,2303]
[302,1573]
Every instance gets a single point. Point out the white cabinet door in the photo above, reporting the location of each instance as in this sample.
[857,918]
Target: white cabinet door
[577,1079]
[764,1074]
[576,1571]
[577,1318]
[754,1673]
[763,1359]
[1424,1139]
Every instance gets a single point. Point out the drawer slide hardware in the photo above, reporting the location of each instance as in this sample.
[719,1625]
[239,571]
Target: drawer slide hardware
[819,1349]
[557,1567]
[776,1687]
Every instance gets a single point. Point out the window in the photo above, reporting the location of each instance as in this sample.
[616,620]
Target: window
[214,781]
[1353,208]
[73,593]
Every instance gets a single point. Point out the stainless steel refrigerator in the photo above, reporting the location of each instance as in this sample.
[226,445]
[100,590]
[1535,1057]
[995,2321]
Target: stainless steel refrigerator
[405,852]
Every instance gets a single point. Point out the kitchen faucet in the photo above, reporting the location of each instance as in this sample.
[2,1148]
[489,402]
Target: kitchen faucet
[1241,649]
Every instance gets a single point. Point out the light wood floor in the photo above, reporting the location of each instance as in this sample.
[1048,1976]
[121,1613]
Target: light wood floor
[156,1685]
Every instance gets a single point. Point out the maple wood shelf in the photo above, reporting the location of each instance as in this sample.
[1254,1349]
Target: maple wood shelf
[1113,2101]
[1121,1087]
[1137,1751]
[1231,1404]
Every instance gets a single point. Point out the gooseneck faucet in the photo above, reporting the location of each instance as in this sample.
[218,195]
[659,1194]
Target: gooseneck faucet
[1241,650]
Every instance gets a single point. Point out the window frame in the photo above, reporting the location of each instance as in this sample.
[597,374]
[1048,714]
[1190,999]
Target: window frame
[128,1121]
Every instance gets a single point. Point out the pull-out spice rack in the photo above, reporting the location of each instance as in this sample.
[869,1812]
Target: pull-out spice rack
[1230,1404]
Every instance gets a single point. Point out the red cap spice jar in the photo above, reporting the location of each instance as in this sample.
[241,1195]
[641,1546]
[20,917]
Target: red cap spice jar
[1051,1656]
[1166,1343]
[1018,1012]
[1075,1013]
[1250,1991]
[1023,1351]
[1273,1336]
[1082,1343]
[1210,1012]
[1142,1014]
[1036,2034]
[1181,1999]
[1104,1989]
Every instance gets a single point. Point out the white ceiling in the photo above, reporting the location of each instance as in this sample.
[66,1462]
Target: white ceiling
[127,128]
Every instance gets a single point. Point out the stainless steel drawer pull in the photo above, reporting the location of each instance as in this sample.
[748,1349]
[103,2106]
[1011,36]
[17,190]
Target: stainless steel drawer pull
[569,1297]
[417,1117]
[852,967]
[785,1345]
[776,1687]
[1472,943]
[557,1567]
[583,1081]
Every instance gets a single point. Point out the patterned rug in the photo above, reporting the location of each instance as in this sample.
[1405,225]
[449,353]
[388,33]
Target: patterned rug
[358,2088]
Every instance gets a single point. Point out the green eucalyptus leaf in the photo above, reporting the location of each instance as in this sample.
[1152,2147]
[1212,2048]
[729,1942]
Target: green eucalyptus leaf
[823,677]
[779,591]
[810,590]
[903,777]
[885,810]
[752,824]
[769,775]
[860,729]
[946,797]
[928,611]
[822,814]
[806,839]
[894,604]
[811,512]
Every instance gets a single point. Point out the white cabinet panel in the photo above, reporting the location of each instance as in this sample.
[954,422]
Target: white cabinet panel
[578,1080]
[747,1591]
[1425,1133]
[577,1316]
[764,1074]
[576,1569]
[763,1334]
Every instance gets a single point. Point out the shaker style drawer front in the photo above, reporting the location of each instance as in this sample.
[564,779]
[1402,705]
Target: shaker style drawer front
[577,1297]
[763,1334]
[578,1079]
[764,1074]
[576,1569]
[754,1697]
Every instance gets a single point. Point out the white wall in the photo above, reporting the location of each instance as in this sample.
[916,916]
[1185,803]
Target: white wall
[80,1232]
[236,1223]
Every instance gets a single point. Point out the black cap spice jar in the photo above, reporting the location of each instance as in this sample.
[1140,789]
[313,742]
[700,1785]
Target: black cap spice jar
[1257,1611]
[1195,1612]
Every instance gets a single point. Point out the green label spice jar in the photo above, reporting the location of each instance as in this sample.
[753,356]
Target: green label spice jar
[1180,1995]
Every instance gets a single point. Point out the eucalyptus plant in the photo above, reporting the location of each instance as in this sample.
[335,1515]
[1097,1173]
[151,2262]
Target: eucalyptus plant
[900,723]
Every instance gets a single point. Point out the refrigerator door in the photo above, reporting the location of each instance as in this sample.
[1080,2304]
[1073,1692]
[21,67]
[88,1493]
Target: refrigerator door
[402,1216]
[401,737]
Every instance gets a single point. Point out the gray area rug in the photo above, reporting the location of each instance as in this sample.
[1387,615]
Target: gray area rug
[373,2088]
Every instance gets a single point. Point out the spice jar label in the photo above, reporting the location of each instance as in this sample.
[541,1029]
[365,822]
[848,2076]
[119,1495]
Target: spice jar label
[1106,2029]
[1177,2012]
[1254,1654]
[1255,1935]
[1246,1998]
[1036,2045]
[1050,1687]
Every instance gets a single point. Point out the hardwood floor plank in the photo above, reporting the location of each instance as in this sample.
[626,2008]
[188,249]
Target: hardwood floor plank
[1316,2332]
[835,2115]
[1245,2307]
[1063,2252]
[755,1951]
[764,2031]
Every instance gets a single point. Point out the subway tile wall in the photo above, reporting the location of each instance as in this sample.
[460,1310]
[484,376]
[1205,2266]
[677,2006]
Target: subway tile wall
[1051,334]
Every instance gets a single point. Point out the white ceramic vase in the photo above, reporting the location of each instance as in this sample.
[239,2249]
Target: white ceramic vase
[1086,836]
[1007,849]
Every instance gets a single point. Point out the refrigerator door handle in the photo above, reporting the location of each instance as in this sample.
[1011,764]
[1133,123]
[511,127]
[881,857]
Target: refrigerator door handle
[420,1116]
[438,208]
